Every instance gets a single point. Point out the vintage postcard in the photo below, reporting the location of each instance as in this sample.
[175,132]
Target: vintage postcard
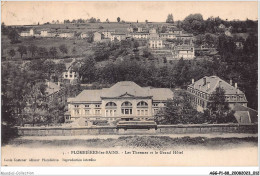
[120,83]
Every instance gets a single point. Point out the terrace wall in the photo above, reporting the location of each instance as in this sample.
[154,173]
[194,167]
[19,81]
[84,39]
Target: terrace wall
[161,129]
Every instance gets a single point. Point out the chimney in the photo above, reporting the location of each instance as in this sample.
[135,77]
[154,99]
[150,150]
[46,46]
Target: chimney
[231,82]
[192,81]
[208,85]
[48,83]
[59,83]
[204,81]
[236,85]
[219,83]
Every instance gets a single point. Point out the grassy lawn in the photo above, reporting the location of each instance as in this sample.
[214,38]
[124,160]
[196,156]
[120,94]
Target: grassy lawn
[81,45]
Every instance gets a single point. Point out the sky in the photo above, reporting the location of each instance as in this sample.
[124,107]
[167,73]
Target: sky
[24,13]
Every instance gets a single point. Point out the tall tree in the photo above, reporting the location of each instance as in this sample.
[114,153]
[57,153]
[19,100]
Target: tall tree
[218,107]
[13,36]
[169,18]
[194,23]
[42,52]
[53,52]
[11,53]
[63,48]
[118,19]
[74,51]
[22,50]
[32,49]
[88,70]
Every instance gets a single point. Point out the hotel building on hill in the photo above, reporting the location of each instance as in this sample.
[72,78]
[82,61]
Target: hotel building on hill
[201,90]
[123,101]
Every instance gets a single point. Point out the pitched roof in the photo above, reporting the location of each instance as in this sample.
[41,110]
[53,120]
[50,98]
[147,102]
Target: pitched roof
[214,82]
[242,117]
[161,94]
[123,89]
[252,113]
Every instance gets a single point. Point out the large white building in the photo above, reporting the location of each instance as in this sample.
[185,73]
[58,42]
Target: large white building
[201,91]
[123,101]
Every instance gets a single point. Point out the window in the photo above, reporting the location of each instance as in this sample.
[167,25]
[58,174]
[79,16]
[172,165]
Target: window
[126,108]
[76,106]
[111,105]
[142,104]
[97,112]
[87,106]
[97,106]
[87,112]
[155,104]
[76,111]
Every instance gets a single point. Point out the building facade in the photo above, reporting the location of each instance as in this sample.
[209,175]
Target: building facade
[97,37]
[107,33]
[201,91]
[117,36]
[123,101]
[184,51]
[156,43]
[140,35]
[29,33]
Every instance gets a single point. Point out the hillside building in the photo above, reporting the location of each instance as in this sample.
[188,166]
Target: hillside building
[107,33]
[97,37]
[29,33]
[156,43]
[183,51]
[118,36]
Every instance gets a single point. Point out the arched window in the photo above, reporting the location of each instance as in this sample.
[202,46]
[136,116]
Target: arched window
[126,108]
[126,104]
[142,108]
[110,109]
[142,104]
[110,104]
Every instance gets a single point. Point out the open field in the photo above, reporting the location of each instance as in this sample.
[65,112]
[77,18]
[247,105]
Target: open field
[82,46]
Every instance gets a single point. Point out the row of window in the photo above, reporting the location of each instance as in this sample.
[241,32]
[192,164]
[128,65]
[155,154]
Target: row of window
[112,104]
[87,112]
[111,113]
[206,96]
[70,76]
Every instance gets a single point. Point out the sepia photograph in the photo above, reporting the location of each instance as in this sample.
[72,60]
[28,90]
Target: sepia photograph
[124,83]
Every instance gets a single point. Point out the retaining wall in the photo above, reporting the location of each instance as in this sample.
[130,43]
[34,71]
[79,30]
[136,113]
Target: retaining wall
[161,129]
